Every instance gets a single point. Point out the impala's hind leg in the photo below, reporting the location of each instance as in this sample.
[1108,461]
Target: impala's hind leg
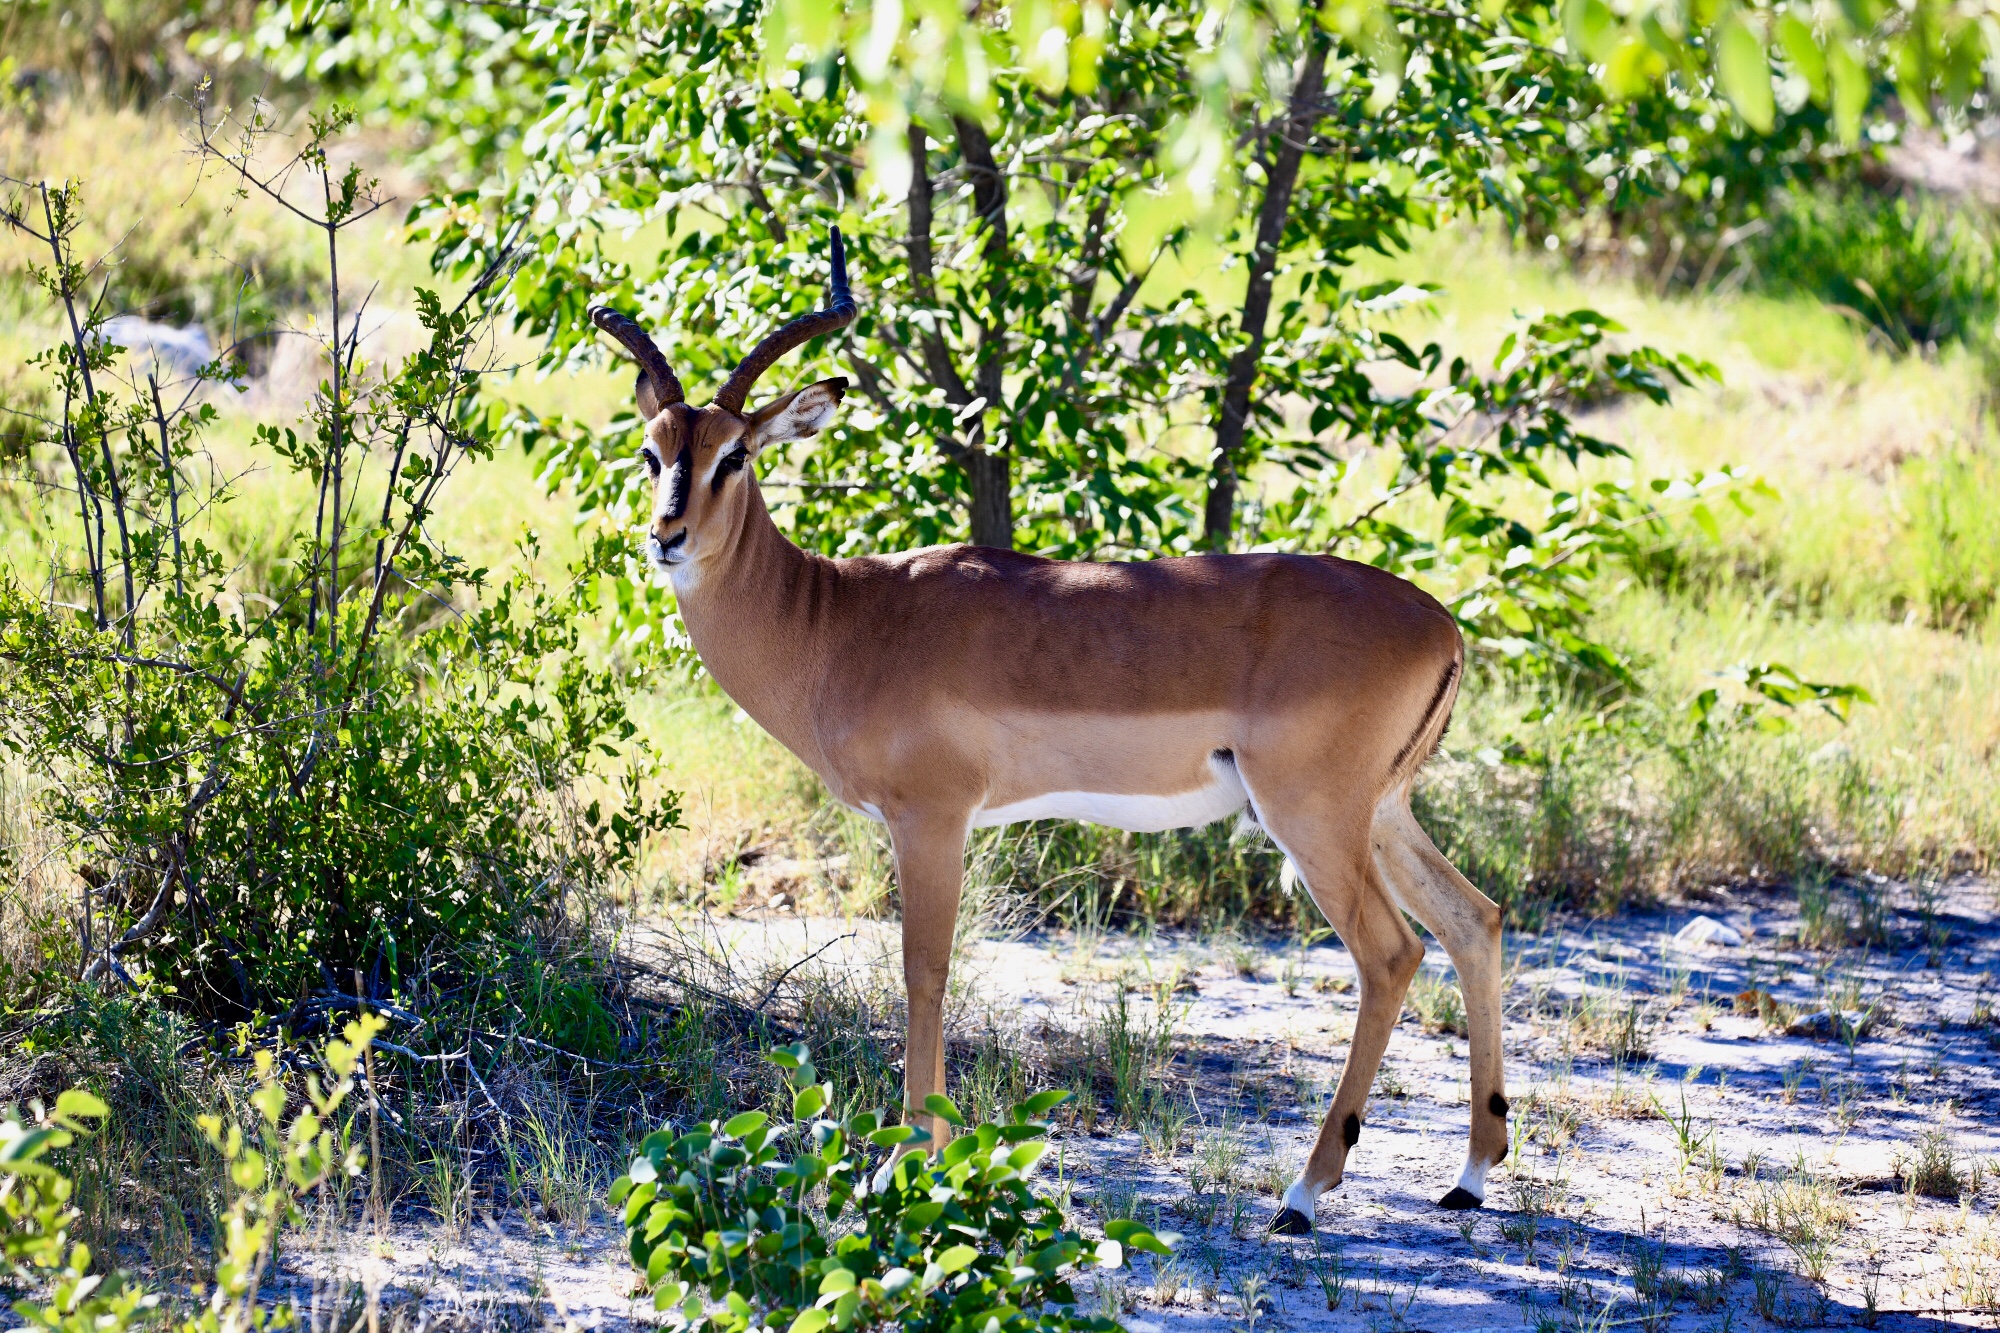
[1331,854]
[1467,923]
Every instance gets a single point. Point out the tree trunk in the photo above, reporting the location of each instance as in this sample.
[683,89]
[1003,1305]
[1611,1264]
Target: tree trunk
[992,499]
[987,475]
[1281,178]
[988,470]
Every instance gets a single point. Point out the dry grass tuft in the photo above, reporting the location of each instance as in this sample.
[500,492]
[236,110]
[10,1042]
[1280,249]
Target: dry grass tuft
[1932,1169]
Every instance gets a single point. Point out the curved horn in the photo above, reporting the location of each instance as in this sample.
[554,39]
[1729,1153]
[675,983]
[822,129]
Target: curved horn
[643,349]
[840,311]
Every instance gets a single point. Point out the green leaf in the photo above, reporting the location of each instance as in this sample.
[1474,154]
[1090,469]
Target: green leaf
[1591,27]
[1705,520]
[1745,73]
[1136,1236]
[1027,1154]
[955,1258]
[1633,68]
[75,1104]
[944,1109]
[808,1102]
[18,1155]
[810,1320]
[1850,90]
[1796,37]
[739,1125]
[638,1199]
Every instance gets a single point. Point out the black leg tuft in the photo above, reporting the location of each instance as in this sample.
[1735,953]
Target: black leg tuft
[1497,1105]
[1351,1131]
[1459,1200]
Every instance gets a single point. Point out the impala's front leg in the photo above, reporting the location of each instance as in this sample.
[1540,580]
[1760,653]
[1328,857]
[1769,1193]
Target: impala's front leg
[930,868]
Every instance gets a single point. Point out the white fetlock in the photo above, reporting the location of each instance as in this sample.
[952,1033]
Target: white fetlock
[1301,1199]
[1473,1179]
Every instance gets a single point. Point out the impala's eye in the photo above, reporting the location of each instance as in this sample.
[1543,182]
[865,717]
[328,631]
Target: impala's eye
[730,462]
[652,462]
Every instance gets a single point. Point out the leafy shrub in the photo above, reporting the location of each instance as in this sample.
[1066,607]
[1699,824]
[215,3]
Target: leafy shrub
[273,1163]
[363,778]
[36,1223]
[724,1227]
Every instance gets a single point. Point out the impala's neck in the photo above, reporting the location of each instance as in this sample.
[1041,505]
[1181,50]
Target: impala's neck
[751,607]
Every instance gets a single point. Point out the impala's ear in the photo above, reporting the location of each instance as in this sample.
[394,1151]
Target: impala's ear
[649,397]
[796,415]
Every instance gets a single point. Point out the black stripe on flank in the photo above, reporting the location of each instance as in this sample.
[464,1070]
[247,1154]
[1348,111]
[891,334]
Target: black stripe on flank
[682,481]
[1445,683]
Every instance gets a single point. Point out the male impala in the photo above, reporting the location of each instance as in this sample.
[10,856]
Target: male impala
[945,690]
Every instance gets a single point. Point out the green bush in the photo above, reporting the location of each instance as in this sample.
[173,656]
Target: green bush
[36,1225]
[386,765]
[730,1233]
[273,1162]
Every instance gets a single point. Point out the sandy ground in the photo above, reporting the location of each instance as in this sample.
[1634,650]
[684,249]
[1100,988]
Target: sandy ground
[1783,1127]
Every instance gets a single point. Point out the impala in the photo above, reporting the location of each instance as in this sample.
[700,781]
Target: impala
[963,687]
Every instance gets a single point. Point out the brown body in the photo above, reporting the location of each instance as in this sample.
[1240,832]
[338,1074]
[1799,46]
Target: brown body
[946,689]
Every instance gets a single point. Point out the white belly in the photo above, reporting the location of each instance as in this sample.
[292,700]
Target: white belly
[1137,814]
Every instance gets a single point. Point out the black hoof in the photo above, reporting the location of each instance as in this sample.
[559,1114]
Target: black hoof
[1459,1200]
[1291,1222]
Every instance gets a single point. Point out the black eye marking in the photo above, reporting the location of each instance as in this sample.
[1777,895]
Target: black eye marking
[681,481]
[652,461]
[732,462]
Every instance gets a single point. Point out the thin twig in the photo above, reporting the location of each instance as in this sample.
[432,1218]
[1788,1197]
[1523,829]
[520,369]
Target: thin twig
[786,974]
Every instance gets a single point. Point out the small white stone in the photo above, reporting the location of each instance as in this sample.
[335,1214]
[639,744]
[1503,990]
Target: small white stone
[1707,930]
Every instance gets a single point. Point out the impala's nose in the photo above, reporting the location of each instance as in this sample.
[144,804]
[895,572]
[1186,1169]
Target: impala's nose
[670,551]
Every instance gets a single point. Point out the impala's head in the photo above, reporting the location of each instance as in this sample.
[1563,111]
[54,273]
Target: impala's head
[698,456]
